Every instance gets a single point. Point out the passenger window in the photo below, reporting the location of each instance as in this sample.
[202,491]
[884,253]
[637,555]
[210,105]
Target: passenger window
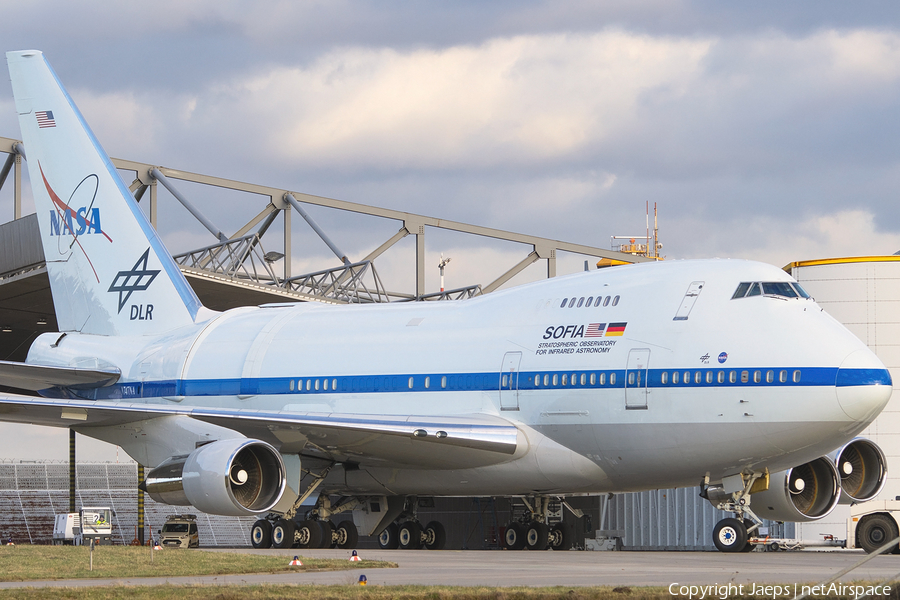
[589,301]
[709,377]
[602,378]
[741,290]
[444,381]
[325,384]
[334,384]
[317,384]
[571,302]
[292,385]
[593,379]
[563,305]
[796,376]
[580,302]
[555,379]
[537,380]
[546,380]
[606,301]
[410,383]
[697,377]
[615,300]
[565,379]
[503,381]
[631,378]
[675,377]
[583,379]
[757,376]
[427,382]
[782,376]
[664,378]
[308,383]
[597,301]
[770,376]
[612,379]
[732,377]
[745,376]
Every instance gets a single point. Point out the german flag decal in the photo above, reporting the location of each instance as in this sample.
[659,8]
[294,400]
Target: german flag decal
[615,329]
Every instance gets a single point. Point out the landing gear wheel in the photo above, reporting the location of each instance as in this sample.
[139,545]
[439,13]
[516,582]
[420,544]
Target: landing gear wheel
[730,535]
[537,536]
[347,535]
[410,536]
[388,539]
[309,534]
[560,537]
[874,531]
[514,538]
[435,536]
[327,534]
[283,533]
[261,534]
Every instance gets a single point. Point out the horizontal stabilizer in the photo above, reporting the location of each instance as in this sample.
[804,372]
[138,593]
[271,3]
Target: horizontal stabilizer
[40,377]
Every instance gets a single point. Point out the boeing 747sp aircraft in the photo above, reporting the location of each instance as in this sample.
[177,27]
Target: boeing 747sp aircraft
[723,373]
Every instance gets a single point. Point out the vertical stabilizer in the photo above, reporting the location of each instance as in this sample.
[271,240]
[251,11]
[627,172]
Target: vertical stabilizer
[109,272]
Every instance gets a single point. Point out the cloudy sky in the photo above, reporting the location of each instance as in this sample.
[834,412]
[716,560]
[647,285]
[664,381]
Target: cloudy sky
[763,130]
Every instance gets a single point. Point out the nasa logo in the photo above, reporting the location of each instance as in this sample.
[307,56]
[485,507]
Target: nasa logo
[71,222]
[723,357]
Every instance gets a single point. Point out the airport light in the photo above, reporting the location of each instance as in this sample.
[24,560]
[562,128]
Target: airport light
[441,266]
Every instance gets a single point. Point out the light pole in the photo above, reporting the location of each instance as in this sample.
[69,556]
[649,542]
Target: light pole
[441,266]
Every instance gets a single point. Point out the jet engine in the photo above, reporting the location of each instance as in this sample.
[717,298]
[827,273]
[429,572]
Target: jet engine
[235,477]
[805,493]
[862,467]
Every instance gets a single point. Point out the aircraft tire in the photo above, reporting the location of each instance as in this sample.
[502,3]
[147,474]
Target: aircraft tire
[388,539]
[261,534]
[347,535]
[560,537]
[730,535]
[328,540]
[410,536]
[283,533]
[309,534]
[435,536]
[537,536]
[514,537]
[874,531]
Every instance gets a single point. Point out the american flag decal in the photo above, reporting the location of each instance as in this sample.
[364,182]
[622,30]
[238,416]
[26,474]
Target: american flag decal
[45,118]
[595,330]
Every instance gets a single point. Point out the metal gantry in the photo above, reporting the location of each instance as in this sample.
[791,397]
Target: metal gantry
[240,257]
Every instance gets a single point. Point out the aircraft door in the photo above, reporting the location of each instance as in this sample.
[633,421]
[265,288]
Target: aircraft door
[636,379]
[509,381]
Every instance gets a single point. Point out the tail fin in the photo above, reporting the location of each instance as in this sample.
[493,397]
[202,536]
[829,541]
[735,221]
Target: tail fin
[109,272]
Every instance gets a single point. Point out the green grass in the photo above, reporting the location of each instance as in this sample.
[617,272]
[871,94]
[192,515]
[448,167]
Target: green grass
[33,563]
[352,591]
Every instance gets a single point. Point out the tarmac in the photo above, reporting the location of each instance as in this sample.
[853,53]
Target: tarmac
[524,568]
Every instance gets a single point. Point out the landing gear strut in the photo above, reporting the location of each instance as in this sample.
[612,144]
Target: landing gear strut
[408,533]
[533,530]
[733,534]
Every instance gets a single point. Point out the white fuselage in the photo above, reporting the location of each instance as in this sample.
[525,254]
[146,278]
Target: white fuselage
[664,382]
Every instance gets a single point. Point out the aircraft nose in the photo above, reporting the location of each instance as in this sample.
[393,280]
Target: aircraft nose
[863,385]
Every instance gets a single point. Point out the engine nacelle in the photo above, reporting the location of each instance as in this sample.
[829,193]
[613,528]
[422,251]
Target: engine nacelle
[862,467]
[805,493]
[236,477]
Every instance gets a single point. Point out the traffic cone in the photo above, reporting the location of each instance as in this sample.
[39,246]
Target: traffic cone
[355,557]
[296,562]
[362,580]
[156,545]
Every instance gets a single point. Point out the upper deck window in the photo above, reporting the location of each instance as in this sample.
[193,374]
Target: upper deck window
[782,289]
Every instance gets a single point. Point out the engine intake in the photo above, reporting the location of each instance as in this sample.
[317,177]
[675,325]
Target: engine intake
[235,477]
[862,467]
[805,493]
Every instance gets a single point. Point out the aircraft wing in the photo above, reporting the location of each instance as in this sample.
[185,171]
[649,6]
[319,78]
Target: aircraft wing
[39,377]
[448,442]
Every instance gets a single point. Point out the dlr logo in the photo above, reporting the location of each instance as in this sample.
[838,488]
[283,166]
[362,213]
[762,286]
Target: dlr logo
[140,312]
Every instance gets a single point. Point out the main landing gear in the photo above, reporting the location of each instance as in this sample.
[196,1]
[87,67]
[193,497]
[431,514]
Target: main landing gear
[408,533]
[734,534]
[533,529]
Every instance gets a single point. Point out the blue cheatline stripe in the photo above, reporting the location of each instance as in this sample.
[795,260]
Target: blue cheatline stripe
[488,382]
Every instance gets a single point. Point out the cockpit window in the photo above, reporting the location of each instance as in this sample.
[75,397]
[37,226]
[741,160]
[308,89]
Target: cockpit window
[779,288]
[783,289]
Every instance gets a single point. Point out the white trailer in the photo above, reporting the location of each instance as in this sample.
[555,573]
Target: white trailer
[872,524]
[65,526]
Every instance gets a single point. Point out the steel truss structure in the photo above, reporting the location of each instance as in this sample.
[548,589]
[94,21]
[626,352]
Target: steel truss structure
[239,258]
